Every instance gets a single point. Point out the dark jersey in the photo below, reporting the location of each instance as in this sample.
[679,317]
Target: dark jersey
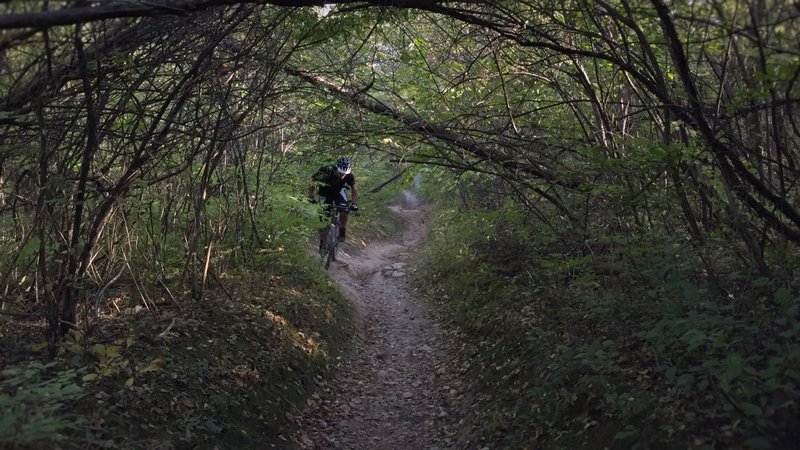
[330,185]
[327,175]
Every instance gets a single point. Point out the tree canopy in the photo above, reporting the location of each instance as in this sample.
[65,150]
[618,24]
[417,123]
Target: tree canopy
[589,106]
[166,131]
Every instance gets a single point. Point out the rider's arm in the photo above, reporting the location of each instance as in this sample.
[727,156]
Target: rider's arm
[321,175]
[354,195]
[318,177]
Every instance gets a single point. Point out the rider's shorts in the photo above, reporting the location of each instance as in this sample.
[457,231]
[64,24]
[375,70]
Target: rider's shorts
[333,197]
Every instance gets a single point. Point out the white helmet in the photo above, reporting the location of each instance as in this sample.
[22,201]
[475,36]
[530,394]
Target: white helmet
[343,165]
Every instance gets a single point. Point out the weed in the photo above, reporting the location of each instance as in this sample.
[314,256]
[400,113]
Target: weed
[33,399]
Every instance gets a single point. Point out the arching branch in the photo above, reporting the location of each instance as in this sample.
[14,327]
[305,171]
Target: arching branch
[128,9]
[421,126]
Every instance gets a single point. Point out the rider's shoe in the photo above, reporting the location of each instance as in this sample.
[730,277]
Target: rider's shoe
[341,235]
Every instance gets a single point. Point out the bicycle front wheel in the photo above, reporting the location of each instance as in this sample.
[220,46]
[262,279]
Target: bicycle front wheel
[332,245]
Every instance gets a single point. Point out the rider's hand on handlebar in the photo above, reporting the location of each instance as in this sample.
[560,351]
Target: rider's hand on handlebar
[353,207]
[312,200]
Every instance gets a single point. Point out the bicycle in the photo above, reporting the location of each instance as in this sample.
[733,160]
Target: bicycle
[329,242]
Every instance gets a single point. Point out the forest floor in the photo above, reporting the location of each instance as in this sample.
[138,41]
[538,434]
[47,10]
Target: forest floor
[399,386]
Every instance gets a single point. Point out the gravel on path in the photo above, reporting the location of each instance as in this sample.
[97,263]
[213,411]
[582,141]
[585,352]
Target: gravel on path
[398,388]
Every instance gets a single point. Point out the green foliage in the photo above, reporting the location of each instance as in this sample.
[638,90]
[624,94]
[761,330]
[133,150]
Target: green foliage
[33,401]
[287,217]
[617,341]
[372,221]
[633,324]
[98,360]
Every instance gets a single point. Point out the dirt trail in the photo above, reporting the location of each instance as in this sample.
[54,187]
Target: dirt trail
[396,389]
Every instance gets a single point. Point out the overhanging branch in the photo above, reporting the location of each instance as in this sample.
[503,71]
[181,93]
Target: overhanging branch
[152,8]
[419,125]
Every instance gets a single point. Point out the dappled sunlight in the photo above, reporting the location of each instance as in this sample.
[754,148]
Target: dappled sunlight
[293,292]
[277,319]
[309,344]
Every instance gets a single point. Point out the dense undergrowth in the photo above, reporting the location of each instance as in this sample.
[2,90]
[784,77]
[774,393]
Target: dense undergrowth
[620,340]
[221,372]
[151,367]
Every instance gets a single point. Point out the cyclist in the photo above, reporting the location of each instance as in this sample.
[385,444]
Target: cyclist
[332,183]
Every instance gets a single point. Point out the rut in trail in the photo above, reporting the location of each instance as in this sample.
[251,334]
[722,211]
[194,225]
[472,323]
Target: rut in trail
[396,389]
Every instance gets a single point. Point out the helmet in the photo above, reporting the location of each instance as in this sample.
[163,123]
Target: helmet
[343,165]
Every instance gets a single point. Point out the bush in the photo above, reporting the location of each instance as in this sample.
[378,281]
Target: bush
[620,340]
[32,400]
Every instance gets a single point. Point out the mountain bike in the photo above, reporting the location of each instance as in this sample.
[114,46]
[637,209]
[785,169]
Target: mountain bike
[329,241]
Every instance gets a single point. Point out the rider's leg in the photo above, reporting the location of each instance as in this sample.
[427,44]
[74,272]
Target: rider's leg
[343,200]
[342,224]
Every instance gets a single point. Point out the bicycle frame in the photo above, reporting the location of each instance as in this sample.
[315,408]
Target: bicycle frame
[330,242]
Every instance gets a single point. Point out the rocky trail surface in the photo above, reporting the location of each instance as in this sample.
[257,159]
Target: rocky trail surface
[397,388]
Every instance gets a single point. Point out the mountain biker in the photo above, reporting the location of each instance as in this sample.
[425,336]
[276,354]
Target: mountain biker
[332,183]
